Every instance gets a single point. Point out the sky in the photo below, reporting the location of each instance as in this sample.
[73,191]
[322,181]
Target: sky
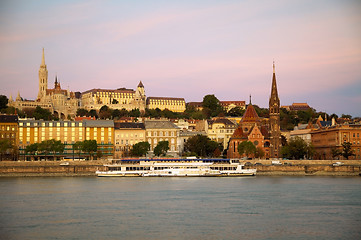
[188,49]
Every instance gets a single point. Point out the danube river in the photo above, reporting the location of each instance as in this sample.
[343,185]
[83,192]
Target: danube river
[180,208]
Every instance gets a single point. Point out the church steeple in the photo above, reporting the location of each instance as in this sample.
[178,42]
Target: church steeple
[274,93]
[43,60]
[43,79]
[274,110]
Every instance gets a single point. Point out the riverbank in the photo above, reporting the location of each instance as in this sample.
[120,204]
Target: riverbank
[264,168]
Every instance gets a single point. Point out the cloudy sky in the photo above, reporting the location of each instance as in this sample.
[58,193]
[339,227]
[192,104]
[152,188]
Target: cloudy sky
[188,48]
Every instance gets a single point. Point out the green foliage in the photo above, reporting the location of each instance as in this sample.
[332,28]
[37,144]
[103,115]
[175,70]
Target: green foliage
[82,112]
[161,148]
[134,113]
[211,106]
[297,148]
[335,152]
[236,112]
[140,149]
[93,113]
[105,112]
[90,147]
[5,145]
[262,112]
[259,153]
[346,116]
[201,146]
[247,148]
[347,151]
[32,148]
[3,102]
[41,113]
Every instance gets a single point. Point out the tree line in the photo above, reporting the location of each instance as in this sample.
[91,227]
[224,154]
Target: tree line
[53,148]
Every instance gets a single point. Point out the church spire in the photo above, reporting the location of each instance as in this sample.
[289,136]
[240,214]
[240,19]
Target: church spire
[274,120]
[43,59]
[274,93]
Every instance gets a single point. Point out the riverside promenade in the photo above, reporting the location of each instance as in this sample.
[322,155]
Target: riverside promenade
[264,168]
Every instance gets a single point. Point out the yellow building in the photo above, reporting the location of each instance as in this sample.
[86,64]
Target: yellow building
[115,99]
[172,104]
[9,131]
[103,132]
[220,130]
[68,132]
[160,130]
[126,135]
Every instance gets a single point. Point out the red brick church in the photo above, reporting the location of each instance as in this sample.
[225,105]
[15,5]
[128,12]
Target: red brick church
[267,136]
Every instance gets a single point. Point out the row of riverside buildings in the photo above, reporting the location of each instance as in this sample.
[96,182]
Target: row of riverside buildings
[115,139]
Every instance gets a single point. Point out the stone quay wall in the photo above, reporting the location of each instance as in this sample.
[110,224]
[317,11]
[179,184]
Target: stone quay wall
[264,167]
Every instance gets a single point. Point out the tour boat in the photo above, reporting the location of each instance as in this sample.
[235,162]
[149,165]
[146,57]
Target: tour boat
[175,168]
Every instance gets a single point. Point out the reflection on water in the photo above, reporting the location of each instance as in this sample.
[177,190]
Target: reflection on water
[180,208]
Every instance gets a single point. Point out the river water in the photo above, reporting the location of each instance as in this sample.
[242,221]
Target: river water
[180,208]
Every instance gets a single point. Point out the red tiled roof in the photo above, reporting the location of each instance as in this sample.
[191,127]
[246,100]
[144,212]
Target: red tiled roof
[250,115]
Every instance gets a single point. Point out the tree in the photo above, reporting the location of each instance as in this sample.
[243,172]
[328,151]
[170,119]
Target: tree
[259,152]
[115,101]
[211,106]
[41,113]
[3,102]
[82,112]
[236,112]
[247,148]
[78,146]
[116,114]
[347,150]
[134,113]
[161,148]
[93,113]
[346,116]
[140,149]
[297,148]
[201,145]
[32,148]
[335,152]
[105,112]
[5,144]
[90,146]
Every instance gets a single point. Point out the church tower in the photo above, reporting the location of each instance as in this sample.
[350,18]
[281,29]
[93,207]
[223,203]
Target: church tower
[274,119]
[43,79]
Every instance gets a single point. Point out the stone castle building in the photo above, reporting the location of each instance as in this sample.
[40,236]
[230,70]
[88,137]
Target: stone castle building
[65,103]
[251,128]
[115,99]
[59,101]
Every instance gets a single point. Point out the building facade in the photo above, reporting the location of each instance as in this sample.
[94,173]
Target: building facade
[157,131]
[126,135]
[220,130]
[250,129]
[115,99]
[9,133]
[325,139]
[172,104]
[68,132]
